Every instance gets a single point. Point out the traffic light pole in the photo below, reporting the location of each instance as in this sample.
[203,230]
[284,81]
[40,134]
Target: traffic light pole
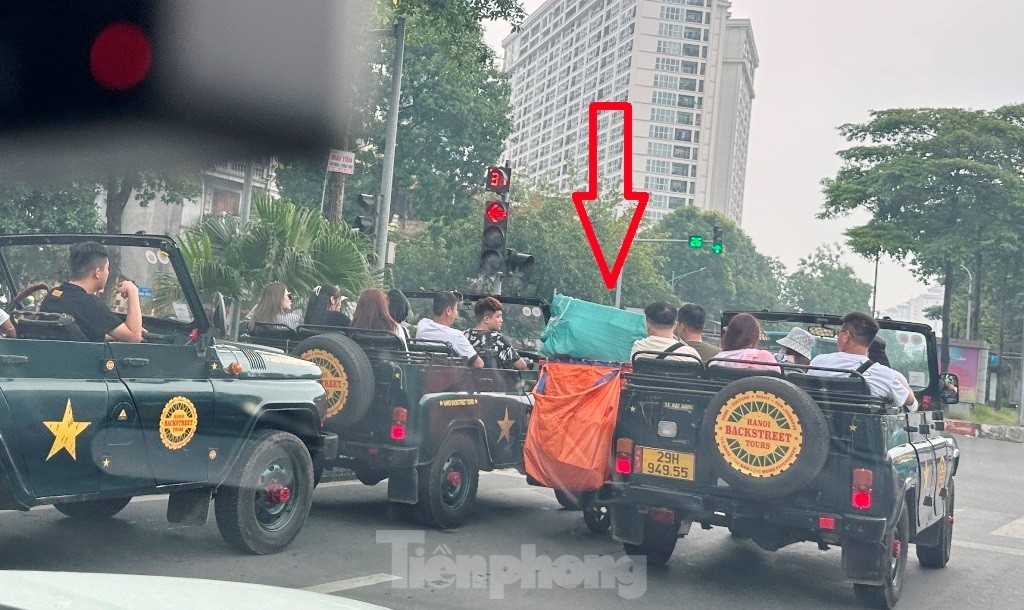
[388,175]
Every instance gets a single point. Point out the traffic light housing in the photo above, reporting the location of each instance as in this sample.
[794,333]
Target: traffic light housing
[494,236]
[498,179]
[517,261]
[716,244]
[366,223]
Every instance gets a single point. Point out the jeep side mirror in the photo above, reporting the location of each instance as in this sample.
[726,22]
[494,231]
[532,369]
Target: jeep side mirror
[949,388]
[219,321]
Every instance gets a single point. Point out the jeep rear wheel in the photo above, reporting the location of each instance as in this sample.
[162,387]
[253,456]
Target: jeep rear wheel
[568,500]
[658,544]
[937,556]
[765,437]
[265,501]
[347,377]
[93,510]
[447,486]
[894,551]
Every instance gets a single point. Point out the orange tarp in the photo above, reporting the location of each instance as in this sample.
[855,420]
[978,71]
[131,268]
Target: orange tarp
[568,443]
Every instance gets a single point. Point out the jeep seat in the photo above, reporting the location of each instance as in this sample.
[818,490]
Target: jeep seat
[725,373]
[268,330]
[48,327]
[830,385]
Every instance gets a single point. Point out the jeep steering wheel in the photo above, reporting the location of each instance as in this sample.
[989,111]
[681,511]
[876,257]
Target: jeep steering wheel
[27,291]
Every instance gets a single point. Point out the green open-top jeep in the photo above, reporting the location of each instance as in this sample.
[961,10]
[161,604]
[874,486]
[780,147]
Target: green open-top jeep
[421,417]
[784,457]
[86,426]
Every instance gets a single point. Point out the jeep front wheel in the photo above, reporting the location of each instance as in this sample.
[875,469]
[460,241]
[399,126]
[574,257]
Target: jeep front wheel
[93,510]
[894,551]
[265,501]
[447,488]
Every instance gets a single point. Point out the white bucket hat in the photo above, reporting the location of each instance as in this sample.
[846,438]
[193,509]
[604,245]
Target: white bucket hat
[800,341]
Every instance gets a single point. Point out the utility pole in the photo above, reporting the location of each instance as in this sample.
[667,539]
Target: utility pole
[244,208]
[970,297]
[874,291]
[618,283]
[388,175]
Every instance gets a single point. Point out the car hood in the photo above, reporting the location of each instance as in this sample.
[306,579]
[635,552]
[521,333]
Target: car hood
[265,364]
[29,590]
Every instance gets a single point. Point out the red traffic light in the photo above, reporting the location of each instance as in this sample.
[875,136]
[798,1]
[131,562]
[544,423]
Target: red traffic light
[498,179]
[120,57]
[496,212]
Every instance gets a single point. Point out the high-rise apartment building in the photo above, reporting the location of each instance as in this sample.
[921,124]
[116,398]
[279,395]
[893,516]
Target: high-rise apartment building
[684,65]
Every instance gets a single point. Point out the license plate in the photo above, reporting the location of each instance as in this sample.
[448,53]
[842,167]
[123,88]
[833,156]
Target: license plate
[668,464]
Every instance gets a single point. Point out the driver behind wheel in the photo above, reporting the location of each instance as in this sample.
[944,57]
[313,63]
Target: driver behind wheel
[90,268]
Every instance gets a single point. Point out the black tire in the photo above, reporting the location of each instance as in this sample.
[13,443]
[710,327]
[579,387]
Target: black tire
[937,556]
[93,510]
[567,500]
[658,545]
[348,377]
[887,594]
[368,476]
[447,486]
[253,513]
[596,514]
[784,409]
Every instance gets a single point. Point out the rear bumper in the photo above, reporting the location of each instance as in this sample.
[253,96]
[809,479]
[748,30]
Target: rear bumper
[629,504]
[379,457]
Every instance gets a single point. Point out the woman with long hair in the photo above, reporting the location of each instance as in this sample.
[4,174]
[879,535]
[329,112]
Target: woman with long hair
[740,342]
[324,308]
[372,314]
[274,307]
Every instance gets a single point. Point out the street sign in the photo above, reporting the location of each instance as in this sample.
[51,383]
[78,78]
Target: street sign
[342,162]
[145,292]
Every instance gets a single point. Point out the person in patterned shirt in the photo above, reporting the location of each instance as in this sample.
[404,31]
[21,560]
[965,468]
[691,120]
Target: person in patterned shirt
[487,340]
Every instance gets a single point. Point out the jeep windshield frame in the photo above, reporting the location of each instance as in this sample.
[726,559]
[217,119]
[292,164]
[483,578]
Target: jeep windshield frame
[930,388]
[161,242]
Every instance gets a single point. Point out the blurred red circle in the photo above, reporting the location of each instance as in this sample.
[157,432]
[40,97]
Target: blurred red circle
[121,56]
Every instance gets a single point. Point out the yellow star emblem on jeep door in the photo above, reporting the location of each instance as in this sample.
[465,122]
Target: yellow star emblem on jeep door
[506,427]
[65,432]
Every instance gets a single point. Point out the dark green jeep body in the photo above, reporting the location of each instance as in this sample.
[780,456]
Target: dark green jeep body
[788,458]
[86,426]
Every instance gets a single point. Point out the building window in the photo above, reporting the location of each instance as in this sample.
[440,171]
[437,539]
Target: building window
[663,115]
[687,101]
[677,186]
[622,81]
[655,184]
[669,30]
[658,149]
[689,67]
[681,152]
[669,12]
[684,118]
[690,33]
[657,167]
[659,132]
[669,48]
[624,65]
[695,16]
[692,50]
[681,169]
[693,188]
[664,98]
[666,82]
[688,84]
[666,64]
[659,201]
[684,135]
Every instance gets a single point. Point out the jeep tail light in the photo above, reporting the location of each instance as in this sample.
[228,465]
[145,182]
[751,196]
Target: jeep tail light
[663,516]
[399,415]
[624,456]
[826,523]
[860,495]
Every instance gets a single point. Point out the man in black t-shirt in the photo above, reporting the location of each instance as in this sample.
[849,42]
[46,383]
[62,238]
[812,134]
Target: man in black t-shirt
[486,339]
[90,268]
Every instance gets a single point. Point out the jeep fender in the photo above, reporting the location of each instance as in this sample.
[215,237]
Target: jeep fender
[475,429]
[298,419]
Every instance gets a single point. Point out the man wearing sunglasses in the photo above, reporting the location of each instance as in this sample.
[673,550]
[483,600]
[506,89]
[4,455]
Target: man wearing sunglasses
[854,339]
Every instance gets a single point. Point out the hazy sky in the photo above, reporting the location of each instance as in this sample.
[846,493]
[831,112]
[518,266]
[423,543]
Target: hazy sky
[829,62]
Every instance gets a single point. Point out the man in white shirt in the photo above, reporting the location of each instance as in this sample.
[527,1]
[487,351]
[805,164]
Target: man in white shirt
[6,327]
[661,326]
[439,328]
[854,338]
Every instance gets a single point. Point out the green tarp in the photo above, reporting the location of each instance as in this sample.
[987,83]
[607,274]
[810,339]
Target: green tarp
[581,329]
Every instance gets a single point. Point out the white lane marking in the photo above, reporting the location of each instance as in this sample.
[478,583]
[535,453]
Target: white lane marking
[352,583]
[988,547]
[1013,529]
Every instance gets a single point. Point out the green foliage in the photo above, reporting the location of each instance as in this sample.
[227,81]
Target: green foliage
[824,284]
[282,242]
[65,208]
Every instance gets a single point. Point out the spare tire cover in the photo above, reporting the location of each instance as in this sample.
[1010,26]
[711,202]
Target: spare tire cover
[765,436]
[347,376]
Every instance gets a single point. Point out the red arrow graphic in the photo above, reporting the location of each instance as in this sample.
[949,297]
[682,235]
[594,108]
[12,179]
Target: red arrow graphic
[580,198]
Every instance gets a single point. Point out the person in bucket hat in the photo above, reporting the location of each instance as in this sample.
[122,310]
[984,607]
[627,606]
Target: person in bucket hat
[797,346]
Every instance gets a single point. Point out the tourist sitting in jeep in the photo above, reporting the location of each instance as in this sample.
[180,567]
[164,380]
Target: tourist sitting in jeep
[438,328]
[487,340]
[740,346]
[854,338]
[661,325]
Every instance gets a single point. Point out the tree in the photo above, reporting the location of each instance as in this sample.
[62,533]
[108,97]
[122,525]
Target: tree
[824,284]
[167,187]
[66,208]
[454,115]
[282,242]
[739,278]
[942,185]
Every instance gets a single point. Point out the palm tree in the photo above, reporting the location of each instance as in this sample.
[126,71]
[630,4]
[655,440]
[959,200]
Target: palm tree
[282,242]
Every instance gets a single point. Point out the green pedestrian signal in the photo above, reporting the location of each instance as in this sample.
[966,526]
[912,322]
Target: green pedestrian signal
[696,242]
